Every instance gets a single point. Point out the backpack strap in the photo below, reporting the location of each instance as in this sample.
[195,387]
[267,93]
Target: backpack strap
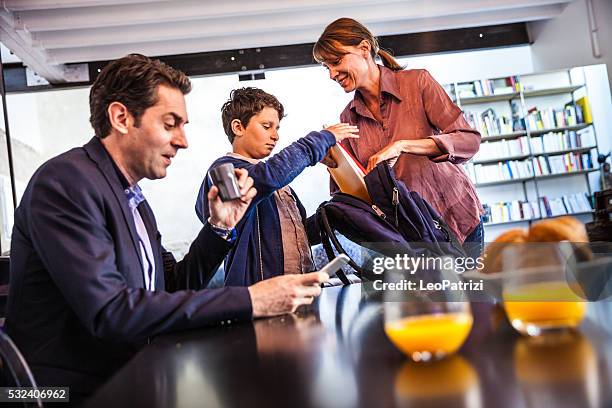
[328,237]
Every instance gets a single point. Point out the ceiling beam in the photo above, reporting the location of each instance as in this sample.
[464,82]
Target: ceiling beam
[22,5]
[134,14]
[317,19]
[265,58]
[34,58]
[303,35]
[185,10]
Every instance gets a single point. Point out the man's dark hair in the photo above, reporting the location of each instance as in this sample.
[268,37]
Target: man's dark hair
[133,81]
[243,104]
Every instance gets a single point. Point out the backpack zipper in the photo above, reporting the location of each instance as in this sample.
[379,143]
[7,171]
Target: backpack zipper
[379,212]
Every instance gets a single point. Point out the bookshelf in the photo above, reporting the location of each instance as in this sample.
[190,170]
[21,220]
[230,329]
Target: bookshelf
[536,219]
[501,159]
[536,178]
[560,129]
[538,142]
[502,136]
[471,100]
[553,91]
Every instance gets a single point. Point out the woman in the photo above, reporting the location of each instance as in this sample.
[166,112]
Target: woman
[406,118]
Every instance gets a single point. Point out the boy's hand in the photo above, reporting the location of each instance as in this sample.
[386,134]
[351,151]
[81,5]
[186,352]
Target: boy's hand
[343,131]
[227,214]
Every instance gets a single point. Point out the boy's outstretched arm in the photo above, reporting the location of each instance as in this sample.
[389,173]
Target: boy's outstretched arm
[282,168]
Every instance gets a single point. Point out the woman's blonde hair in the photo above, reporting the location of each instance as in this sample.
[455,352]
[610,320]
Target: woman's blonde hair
[348,32]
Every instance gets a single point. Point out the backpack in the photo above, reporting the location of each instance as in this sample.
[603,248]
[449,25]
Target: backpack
[399,221]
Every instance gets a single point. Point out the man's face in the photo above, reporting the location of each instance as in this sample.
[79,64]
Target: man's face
[151,146]
[260,136]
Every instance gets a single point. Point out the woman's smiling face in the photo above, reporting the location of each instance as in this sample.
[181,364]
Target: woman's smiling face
[349,69]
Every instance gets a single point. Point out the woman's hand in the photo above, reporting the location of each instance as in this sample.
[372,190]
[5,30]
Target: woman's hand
[343,131]
[389,153]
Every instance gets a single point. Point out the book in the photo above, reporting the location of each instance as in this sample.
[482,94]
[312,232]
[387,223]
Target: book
[349,175]
[583,102]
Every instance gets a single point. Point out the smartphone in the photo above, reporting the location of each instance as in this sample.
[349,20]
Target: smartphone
[334,266]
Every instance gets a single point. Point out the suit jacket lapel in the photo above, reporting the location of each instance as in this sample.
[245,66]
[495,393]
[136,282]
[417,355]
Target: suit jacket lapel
[98,154]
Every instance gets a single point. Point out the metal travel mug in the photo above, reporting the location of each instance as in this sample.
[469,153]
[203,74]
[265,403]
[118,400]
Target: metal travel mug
[224,178]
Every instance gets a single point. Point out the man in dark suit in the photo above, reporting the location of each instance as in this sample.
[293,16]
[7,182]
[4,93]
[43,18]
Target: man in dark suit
[90,281]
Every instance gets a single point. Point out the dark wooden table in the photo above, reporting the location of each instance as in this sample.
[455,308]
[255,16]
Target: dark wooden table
[335,354]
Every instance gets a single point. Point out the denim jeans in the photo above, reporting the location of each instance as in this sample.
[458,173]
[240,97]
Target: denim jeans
[474,242]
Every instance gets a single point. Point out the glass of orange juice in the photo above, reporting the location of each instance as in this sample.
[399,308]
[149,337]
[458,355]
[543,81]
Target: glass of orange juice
[427,326]
[540,292]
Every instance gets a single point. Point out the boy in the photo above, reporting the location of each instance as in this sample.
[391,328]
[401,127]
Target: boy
[271,238]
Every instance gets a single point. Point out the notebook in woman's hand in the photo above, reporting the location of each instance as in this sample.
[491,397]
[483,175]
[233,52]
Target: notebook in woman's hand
[349,174]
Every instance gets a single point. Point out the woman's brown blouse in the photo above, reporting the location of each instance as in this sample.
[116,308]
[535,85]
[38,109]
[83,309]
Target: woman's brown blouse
[415,106]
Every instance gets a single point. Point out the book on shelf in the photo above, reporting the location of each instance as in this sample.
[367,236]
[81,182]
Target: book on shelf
[562,163]
[349,175]
[516,210]
[529,210]
[556,141]
[565,205]
[550,118]
[587,115]
[518,123]
[502,149]
[519,210]
[488,87]
[501,171]
[488,123]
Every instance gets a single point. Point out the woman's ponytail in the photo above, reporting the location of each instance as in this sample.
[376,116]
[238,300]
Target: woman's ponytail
[388,61]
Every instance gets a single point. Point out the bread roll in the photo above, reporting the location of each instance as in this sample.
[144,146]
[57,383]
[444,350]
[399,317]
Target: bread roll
[558,229]
[552,230]
[493,251]
[563,229]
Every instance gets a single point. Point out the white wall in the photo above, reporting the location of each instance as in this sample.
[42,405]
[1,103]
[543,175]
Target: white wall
[601,103]
[467,66]
[565,41]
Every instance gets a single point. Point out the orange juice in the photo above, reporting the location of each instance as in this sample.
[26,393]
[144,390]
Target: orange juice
[421,337]
[545,305]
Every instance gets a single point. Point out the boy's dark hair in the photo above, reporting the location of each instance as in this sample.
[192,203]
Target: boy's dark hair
[243,104]
[133,81]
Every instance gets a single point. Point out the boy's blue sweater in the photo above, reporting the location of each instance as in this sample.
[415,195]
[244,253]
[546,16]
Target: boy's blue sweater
[242,264]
